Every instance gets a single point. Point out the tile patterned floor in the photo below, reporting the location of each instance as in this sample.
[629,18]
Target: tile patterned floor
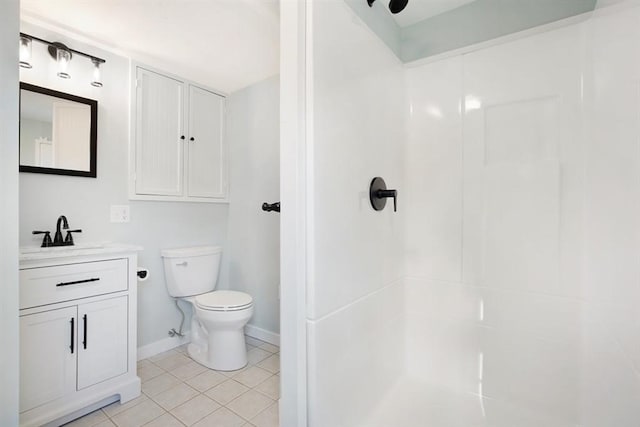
[177,392]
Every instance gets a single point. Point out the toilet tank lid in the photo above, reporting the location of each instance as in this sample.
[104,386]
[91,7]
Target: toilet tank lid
[189,252]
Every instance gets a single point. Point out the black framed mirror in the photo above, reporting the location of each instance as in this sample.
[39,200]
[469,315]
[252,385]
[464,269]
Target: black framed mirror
[58,132]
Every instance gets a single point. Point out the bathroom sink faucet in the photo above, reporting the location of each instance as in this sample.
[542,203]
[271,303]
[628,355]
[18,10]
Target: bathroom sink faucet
[57,238]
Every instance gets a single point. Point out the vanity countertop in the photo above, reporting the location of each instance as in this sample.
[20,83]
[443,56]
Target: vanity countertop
[34,253]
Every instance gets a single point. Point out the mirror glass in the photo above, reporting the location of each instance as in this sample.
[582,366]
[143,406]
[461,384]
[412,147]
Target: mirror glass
[58,132]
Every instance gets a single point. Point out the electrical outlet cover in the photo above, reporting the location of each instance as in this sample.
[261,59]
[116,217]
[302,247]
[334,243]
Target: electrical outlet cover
[119,213]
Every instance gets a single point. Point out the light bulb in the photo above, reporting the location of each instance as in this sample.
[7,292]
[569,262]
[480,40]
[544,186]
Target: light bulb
[25,52]
[96,81]
[64,56]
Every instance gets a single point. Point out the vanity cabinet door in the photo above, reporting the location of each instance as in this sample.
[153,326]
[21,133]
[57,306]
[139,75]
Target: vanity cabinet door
[48,349]
[102,340]
[159,134]
[206,174]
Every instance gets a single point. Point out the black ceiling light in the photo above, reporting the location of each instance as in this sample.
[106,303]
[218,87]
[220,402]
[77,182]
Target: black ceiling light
[395,6]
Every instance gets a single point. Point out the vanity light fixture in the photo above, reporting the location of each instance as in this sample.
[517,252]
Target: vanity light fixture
[25,51]
[62,55]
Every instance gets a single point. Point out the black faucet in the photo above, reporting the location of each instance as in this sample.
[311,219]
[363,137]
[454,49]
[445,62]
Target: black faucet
[57,239]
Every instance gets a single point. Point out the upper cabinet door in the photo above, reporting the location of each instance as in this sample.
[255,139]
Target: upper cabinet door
[159,129]
[206,171]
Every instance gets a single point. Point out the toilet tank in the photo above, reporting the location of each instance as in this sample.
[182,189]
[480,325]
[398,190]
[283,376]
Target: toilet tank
[191,271]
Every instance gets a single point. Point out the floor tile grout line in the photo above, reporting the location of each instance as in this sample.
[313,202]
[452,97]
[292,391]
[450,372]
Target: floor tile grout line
[264,410]
[232,377]
[150,421]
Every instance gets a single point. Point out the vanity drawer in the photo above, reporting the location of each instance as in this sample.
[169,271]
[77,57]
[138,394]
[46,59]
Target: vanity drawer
[48,285]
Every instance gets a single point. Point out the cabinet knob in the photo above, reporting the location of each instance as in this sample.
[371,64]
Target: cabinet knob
[192,139]
[182,137]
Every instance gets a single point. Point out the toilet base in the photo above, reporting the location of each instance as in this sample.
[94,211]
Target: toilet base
[217,338]
[231,353]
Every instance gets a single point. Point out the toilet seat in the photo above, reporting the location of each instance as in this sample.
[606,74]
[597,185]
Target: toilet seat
[224,301]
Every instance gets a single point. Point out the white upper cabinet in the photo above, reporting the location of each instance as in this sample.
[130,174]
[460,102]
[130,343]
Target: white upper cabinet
[206,169]
[178,149]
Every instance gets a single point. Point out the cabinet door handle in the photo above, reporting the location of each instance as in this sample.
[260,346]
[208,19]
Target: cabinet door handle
[93,279]
[73,329]
[192,139]
[84,334]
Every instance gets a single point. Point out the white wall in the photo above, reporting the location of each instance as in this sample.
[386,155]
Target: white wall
[252,255]
[86,202]
[522,235]
[9,19]
[354,295]
[294,244]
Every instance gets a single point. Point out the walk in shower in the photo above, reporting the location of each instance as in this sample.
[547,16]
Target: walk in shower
[504,292]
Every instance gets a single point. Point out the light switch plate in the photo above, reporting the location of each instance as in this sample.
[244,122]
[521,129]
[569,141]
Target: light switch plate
[119,213]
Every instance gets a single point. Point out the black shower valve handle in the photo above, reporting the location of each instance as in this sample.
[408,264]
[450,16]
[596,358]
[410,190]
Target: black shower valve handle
[382,194]
[378,194]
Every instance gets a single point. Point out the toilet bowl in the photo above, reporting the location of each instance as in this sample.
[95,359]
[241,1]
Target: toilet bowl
[219,317]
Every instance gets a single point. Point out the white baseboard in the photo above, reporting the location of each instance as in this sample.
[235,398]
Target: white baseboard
[262,334]
[168,343]
[162,345]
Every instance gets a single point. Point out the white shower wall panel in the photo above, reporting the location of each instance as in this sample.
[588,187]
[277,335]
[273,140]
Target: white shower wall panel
[355,294]
[359,112]
[544,315]
[522,143]
[495,345]
[355,358]
[612,270]
[432,196]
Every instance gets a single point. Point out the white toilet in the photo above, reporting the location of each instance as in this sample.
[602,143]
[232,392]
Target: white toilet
[217,326]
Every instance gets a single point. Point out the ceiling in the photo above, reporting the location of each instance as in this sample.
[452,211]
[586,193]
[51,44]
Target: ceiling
[224,44]
[419,10]
[431,28]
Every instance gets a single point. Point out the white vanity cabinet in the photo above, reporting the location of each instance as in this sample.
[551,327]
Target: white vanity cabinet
[77,332]
[178,149]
